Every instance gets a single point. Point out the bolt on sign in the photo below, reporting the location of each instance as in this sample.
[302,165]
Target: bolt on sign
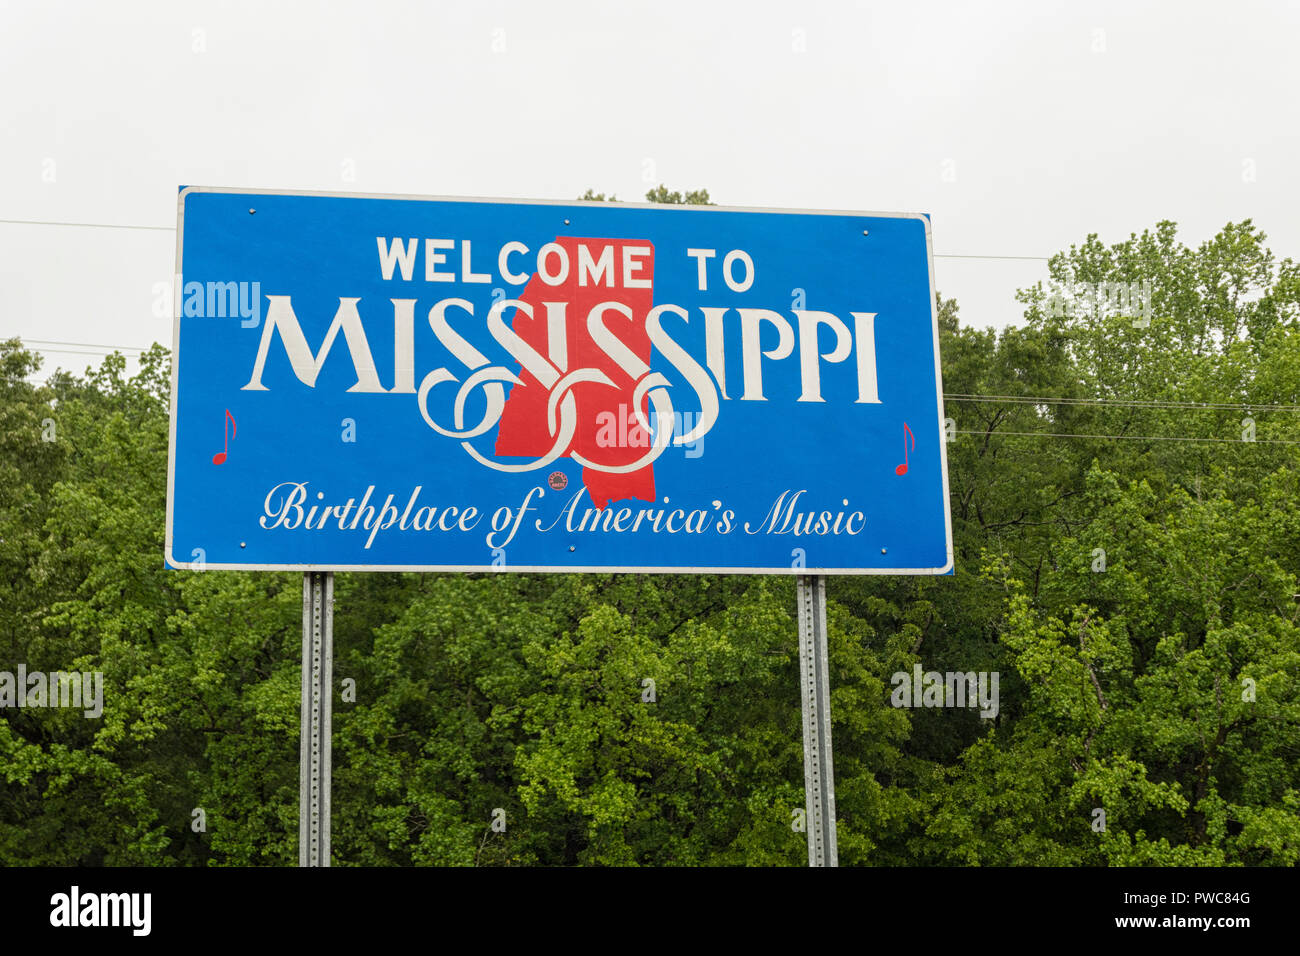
[409,383]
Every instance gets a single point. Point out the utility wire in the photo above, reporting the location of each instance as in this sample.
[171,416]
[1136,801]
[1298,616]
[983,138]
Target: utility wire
[72,349]
[953,255]
[46,351]
[1226,441]
[85,225]
[1116,402]
[113,225]
[110,348]
[976,431]
[1182,438]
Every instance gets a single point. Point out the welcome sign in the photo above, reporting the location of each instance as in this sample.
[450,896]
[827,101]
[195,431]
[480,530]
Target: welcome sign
[407,383]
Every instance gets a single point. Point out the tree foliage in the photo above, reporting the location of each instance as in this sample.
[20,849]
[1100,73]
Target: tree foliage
[1138,597]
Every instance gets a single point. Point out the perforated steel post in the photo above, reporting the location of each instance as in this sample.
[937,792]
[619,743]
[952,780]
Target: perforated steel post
[814,684]
[317,700]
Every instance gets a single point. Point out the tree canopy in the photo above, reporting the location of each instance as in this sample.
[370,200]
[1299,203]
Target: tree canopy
[1123,493]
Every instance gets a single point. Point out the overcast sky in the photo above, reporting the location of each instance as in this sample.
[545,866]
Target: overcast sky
[1020,127]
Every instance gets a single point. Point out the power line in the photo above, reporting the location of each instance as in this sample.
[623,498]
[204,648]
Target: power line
[1227,441]
[952,255]
[110,348]
[1182,438]
[71,348]
[47,351]
[1116,402]
[113,225]
[85,225]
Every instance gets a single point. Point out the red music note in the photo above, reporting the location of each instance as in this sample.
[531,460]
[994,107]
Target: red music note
[220,456]
[907,432]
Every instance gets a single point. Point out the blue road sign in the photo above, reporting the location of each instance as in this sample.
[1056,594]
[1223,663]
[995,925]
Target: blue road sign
[384,382]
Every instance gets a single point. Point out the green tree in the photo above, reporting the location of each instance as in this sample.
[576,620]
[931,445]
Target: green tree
[1135,594]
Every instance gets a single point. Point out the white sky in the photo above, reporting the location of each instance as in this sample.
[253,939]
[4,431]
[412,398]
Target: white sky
[1021,127]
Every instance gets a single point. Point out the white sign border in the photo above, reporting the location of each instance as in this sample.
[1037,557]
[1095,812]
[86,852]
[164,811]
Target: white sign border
[546,569]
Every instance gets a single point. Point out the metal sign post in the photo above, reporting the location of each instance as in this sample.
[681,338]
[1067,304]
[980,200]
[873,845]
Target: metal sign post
[317,700]
[814,683]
